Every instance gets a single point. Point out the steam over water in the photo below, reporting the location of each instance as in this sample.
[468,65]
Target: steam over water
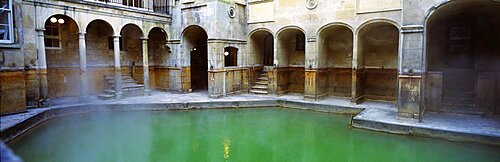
[272,134]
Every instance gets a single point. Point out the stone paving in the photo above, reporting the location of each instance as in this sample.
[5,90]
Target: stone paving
[374,111]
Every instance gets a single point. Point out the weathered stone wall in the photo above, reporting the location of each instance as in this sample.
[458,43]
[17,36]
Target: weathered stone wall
[12,84]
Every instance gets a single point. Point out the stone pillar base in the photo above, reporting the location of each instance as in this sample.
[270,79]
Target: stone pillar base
[147,92]
[409,96]
[85,99]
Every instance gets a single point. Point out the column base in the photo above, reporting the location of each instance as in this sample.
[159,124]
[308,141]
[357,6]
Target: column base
[118,95]
[44,102]
[357,100]
[85,99]
[147,92]
[408,115]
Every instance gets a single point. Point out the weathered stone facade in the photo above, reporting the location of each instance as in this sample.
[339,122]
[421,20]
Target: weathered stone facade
[407,52]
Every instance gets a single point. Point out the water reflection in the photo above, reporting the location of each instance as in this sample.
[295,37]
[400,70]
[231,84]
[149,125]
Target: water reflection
[227,145]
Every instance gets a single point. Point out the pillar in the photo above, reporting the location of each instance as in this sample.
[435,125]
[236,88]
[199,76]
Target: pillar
[145,65]
[311,69]
[84,92]
[118,68]
[357,72]
[43,100]
[215,69]
[410,72]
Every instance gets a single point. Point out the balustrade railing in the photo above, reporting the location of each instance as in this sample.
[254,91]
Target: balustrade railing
[158,6]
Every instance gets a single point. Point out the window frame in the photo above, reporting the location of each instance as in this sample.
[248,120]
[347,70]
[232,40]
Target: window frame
[53,37]
[10,22]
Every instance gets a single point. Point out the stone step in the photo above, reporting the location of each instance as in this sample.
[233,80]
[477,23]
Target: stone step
[262,83]
[263,79]
[263,74]
[123,81]
[258,92]
[126,86]
[106,96]
[123,78]
[260,87]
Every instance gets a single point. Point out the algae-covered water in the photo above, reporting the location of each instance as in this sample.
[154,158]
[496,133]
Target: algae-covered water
[271,134]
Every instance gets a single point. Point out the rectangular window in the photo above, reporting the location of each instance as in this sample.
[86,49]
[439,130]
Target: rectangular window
[6,22]
[230,56]
[52,36]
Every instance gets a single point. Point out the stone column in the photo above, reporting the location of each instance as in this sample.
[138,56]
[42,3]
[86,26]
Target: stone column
[84,93]
[145,65]
[43,100]
[215,69]
[410,72]
[357,73]
[311,69]
[118,68]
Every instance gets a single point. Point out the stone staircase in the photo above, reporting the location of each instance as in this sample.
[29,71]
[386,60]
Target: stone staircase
[130,87]
[261,85]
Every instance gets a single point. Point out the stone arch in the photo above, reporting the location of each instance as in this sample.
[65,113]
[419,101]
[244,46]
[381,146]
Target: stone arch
[261,47]
[289,28]
[99,50]
[378,20]
[195,48]
[61,49]
[158,53]
[259,30]
[131,47]
[461,60]
[335,55]
[290,59]
[334,24]
[377,59]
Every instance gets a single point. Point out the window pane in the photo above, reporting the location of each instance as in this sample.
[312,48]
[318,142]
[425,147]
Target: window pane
[4,25]
[55,43]
[48,42]
[4,4]
[55,31]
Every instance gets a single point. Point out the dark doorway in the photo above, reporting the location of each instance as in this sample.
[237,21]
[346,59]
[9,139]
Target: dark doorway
[463,58]
[195,43]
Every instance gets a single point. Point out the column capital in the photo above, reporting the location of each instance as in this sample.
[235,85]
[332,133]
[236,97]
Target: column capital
[116,36]
[412,29]
[81,35]
[40,32]
[144,38]
[311,39]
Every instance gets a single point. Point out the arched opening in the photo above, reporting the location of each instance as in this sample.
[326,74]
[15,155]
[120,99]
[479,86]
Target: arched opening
[230,56]
[335,54]
[61,49]
[463,57]
[158,56]
[378,50]
[262,48]
[100,60]
[131,53]
[290,60]
[195,45]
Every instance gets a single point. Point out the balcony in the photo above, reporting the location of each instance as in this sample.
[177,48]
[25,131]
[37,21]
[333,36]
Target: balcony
[157,6]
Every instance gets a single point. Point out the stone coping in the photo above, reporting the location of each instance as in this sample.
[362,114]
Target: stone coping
[30,119]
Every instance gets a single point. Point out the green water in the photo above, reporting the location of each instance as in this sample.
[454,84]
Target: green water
[273,134]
